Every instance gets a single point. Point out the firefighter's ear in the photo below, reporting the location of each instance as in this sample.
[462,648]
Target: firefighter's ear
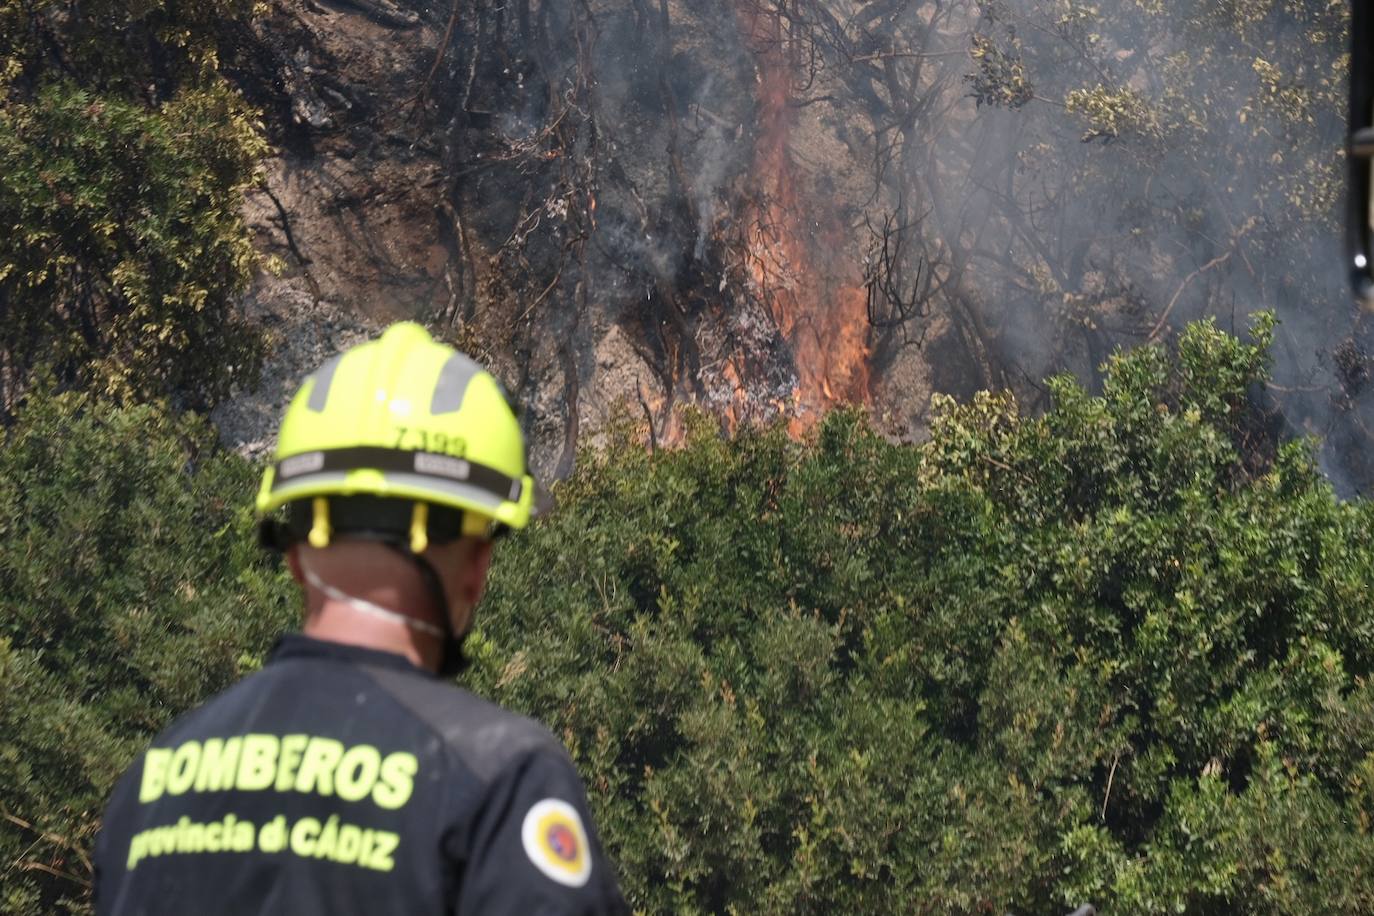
[293,563]
[474,581]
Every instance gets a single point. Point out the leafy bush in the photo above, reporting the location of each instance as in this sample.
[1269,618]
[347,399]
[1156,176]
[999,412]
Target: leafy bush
[150,46]
[122,166]
[1119,652]
[130,588]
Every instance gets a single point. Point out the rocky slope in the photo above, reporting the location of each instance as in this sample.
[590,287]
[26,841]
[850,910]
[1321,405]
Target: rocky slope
[585,212]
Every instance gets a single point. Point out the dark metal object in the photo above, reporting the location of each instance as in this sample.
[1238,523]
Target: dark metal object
[1360,206]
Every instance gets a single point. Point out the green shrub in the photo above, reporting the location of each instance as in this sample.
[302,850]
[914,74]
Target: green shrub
[123,159]
[130,588]
[1117,653]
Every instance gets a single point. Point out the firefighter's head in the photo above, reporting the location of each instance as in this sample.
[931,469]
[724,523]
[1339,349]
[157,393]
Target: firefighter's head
[397,464]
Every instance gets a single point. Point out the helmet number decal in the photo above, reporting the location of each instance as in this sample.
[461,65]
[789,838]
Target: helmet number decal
[409,438]
[554,840]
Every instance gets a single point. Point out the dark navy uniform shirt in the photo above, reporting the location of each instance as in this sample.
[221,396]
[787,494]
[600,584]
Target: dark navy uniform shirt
[343,780]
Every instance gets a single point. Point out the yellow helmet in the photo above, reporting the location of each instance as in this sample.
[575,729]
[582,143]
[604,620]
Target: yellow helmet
[403,418]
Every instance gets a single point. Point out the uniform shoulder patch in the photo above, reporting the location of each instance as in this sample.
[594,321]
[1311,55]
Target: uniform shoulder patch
[556,842]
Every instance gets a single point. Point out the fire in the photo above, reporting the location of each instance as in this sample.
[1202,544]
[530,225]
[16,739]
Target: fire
[795,241]
[799,265]
[735,411]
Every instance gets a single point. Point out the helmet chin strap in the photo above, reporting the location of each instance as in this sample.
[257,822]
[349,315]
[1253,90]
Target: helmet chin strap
[364,606]
[453,662]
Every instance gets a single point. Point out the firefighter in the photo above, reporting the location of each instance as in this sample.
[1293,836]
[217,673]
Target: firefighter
[349,775]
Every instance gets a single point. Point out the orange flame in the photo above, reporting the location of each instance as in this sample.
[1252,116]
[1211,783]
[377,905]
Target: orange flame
[793,237]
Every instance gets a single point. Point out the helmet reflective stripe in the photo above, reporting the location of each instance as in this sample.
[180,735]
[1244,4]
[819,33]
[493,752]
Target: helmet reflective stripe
[453,384]
[442,469]
[321,380]
[483,498]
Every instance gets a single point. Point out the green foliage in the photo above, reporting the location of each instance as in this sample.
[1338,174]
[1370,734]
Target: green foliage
[123,248]
[122,165]
[130,588]
[1000,79]
[128,580]
[1105,654]
[116,44]
[1111,112]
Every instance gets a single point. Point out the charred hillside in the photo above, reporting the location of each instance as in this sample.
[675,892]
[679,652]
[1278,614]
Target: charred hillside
[770,207]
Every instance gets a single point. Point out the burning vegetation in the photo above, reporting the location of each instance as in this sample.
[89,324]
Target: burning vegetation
[768,208]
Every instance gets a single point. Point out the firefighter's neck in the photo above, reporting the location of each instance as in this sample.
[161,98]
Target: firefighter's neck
[365,594]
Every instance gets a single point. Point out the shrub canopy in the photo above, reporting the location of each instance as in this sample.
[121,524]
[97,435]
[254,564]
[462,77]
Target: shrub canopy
[130,589]
[1116,653]
[123,157]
